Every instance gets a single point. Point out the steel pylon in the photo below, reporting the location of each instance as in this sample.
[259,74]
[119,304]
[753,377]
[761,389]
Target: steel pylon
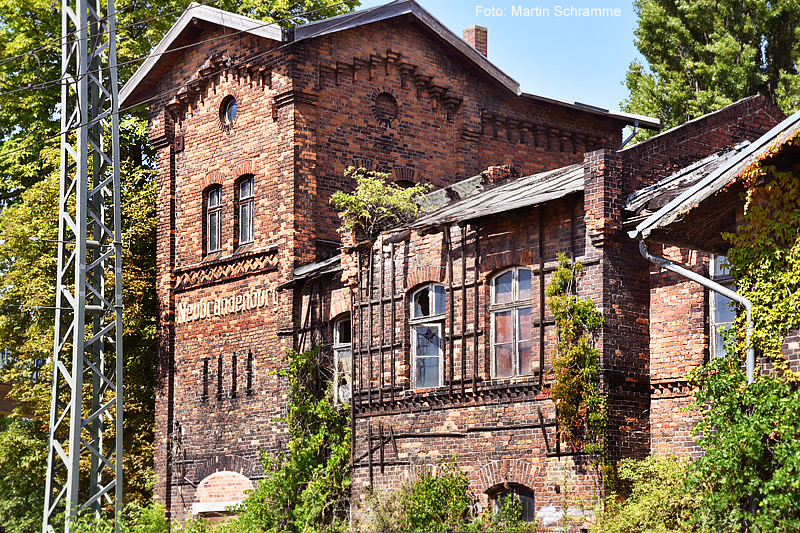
[85,452]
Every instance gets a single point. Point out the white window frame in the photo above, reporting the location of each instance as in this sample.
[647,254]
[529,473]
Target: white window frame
[342,393]
[716,301]
[432,320]
[216,227]
[514,306]
[246,205]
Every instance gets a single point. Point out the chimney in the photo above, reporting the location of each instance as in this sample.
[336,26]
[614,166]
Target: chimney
[477,37]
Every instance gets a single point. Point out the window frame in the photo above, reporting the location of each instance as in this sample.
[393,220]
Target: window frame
[339,347]
[434,320]
[243,203]
[514,306]
[720,274]
[208,212]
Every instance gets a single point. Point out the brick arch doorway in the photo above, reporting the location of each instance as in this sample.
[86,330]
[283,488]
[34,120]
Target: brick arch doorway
[218,492]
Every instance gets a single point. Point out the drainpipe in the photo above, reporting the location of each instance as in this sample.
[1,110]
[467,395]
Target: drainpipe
[716,287]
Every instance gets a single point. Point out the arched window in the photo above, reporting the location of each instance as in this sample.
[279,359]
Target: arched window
[512,349]
[427,320]
[342,360]
[245,213]
[516,495]
[213,219]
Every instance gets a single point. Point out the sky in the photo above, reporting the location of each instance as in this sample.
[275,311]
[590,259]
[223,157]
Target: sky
[583,59]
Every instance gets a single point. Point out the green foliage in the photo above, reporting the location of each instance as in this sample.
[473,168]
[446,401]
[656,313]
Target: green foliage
[23,462]
[703,55]
[658,501]
[28,278]
[436,500]
[137,518]
[749,476]
[306,488]
[765,257]
[376,204]
[582,407]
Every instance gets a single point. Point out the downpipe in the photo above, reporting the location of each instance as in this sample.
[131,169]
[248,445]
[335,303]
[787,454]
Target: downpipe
[666,264]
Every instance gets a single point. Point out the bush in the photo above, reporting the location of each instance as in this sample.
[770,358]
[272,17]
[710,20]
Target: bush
[437,500]
[658,500]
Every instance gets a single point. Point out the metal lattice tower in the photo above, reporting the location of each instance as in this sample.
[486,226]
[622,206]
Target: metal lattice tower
[84,468]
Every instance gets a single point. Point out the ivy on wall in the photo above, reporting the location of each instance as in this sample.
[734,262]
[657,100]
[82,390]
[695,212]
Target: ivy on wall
[765,254]
[582,408]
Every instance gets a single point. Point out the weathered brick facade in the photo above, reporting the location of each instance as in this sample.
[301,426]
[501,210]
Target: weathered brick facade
[392,92]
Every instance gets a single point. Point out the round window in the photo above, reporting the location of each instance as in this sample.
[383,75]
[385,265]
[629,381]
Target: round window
[385,108]
[227,112]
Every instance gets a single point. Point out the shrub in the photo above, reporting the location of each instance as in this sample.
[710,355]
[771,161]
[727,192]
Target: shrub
[658,500]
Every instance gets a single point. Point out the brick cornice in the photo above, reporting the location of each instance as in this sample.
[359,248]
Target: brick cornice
[225,269]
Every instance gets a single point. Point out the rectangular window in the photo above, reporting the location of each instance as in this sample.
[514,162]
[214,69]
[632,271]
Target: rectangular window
[427,318]
[512,336]
[214,222]
[246,205]
[342,360]
[722,310]
[427,355]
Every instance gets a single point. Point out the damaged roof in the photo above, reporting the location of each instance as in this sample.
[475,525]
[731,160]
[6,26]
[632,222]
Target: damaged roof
[676,195]
[475,197]
[647,201]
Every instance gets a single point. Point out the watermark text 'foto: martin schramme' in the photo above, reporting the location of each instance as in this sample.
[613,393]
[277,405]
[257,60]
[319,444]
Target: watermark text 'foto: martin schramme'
[539,11]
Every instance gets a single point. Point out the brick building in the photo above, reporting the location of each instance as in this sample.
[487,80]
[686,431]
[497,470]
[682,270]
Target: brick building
[253,127]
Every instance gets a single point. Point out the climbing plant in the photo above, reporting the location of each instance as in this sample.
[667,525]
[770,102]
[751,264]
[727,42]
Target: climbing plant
[376,204]
[306,487]
[582,409]
[765,254]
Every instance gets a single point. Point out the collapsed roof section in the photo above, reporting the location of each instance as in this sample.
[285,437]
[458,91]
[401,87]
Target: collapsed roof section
[139,88]
[694,206]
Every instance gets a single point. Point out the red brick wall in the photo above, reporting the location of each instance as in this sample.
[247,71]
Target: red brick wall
[304,114]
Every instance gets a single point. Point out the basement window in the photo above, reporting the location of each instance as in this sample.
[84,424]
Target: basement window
[427,321]
[525,498]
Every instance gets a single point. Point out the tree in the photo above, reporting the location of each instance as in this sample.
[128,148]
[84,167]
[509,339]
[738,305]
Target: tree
[376,204]
[703,55]
[29,125]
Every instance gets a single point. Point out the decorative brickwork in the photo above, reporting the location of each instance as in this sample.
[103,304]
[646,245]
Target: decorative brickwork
[308,109]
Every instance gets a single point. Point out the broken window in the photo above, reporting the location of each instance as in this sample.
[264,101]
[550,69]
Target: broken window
[427,319]
[342,360]
[512,346]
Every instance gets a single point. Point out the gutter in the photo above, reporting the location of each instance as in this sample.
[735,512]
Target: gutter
[666,264]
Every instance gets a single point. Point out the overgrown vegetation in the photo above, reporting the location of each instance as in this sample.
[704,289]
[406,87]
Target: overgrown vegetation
[581,405]
[307,486]
[438,499]
[747,479]
[375,204]
[658,501]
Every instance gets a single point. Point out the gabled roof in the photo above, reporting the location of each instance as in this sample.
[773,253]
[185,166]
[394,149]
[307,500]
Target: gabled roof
[712,182]
[171,41]
[130,95]
[472,198]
